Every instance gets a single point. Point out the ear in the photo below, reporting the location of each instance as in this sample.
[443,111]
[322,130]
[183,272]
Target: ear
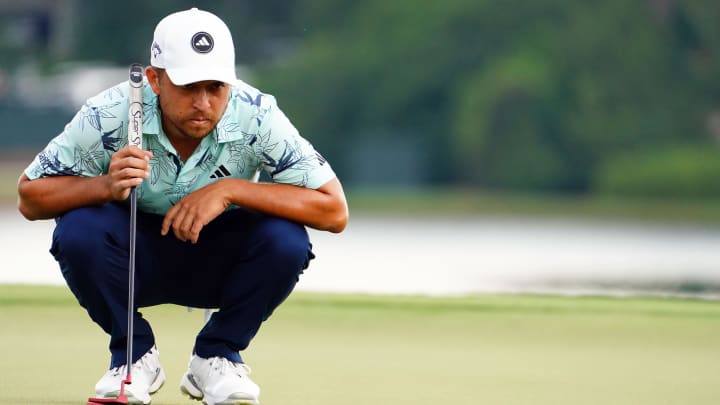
[153,79]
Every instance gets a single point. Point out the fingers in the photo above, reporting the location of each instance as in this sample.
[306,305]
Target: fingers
[121,189]
[135,154]
[190,215]
[128,167]
[133,163]
[184,222]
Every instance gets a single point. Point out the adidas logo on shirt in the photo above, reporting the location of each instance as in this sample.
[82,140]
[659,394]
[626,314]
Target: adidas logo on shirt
[221,172]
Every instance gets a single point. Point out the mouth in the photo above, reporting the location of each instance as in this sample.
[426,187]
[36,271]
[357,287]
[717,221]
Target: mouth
[200,121]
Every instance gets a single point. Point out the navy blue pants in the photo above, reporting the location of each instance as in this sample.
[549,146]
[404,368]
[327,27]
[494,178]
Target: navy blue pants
[244,263]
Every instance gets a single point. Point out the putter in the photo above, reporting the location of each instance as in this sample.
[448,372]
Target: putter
[135,115]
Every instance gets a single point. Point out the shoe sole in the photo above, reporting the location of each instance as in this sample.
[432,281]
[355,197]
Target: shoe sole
[191,389]
[158,383]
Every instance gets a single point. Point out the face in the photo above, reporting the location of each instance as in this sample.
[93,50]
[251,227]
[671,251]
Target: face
[191,111]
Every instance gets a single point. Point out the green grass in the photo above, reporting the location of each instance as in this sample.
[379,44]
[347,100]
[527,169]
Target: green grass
[335,349]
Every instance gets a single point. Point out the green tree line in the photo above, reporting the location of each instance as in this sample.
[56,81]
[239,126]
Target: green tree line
[579,96]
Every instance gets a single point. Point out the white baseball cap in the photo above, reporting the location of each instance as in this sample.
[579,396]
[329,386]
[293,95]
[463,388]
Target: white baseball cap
[192,46]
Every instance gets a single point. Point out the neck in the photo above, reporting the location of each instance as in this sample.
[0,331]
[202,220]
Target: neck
[184,147]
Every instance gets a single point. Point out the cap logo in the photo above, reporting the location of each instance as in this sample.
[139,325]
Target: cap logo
[155,49]
[202,42]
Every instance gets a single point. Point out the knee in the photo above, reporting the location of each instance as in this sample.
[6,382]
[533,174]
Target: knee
[286,242]
[84,229]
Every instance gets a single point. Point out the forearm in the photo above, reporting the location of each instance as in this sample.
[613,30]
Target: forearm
[49,197]
[324,208]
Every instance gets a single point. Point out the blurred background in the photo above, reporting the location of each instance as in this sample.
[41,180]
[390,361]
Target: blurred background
[484,145]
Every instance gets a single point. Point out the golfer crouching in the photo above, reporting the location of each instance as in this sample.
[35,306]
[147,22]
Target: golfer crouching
[208,234]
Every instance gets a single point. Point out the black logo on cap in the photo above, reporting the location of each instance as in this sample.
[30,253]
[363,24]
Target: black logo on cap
[202,42]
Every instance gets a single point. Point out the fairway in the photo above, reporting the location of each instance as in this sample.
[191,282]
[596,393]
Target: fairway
[336,350]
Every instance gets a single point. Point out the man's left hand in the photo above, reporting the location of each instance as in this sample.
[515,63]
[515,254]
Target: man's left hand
[194,211]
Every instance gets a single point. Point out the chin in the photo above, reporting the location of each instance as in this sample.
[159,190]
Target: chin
[198,132]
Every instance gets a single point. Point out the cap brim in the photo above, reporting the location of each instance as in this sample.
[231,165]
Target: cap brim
[183,76]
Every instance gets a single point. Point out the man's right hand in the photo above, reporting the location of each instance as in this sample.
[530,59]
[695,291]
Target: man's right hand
[128,167]
[49,197]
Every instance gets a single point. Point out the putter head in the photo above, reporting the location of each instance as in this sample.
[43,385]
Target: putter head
[121,399]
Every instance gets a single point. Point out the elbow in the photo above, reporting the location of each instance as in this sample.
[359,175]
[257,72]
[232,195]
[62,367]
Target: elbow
[23,202]
[335,211]
[339,221]
[337,227]
[27,211]
[22,205]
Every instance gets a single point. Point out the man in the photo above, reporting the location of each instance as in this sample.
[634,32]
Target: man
[208,234]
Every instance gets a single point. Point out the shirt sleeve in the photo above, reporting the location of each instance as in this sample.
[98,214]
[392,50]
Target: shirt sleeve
[289,158]
[84,147]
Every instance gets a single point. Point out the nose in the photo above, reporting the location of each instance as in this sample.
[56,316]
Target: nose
[201,99]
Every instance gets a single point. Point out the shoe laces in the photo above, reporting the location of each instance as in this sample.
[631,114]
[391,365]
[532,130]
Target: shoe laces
[139,365]
[221,365]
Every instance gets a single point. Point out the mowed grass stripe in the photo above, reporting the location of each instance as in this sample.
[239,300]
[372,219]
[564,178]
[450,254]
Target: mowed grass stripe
[324,349]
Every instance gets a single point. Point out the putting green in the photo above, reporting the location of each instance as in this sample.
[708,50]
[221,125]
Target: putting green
[336,350]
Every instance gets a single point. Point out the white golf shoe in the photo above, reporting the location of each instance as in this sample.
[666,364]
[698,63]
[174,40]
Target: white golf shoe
[218,381]
[147,377]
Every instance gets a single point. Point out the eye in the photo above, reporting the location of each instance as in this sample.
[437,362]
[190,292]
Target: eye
[217,86]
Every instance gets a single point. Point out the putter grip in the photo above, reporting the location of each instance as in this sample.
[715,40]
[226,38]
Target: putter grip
[135,111]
